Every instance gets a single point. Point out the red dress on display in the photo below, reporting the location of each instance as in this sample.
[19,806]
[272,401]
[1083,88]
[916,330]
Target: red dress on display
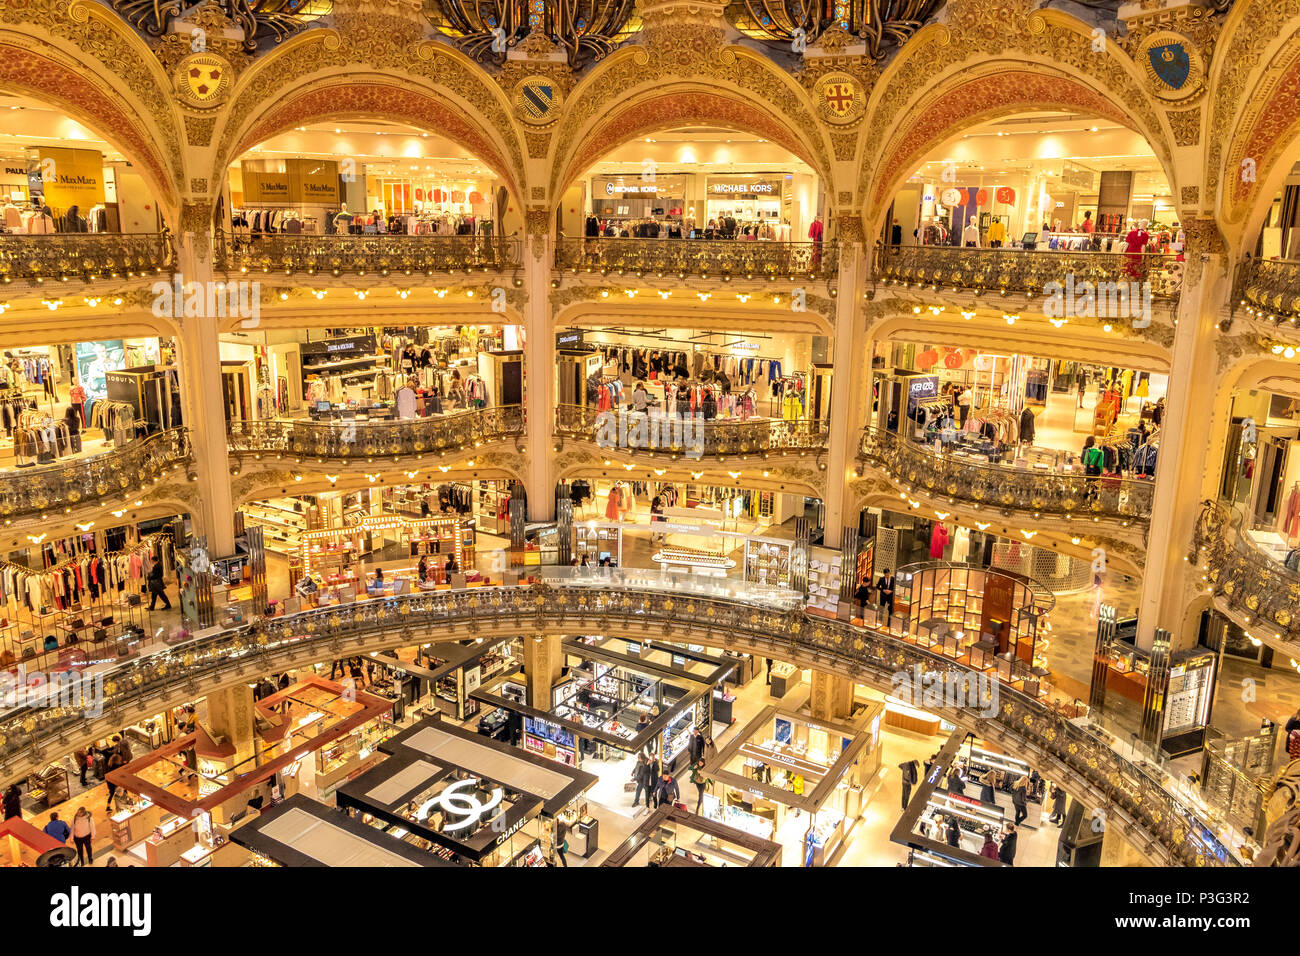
[938,541]
[613,506]
[1134,243]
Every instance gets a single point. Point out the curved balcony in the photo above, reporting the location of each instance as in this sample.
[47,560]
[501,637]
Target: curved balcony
[60,257]
[706,258]
[690,438]
[30,492]
[630,604]
[373,255]
[1262,592]
[1270,288]
[1005,271]
[1005,488]
[371,439]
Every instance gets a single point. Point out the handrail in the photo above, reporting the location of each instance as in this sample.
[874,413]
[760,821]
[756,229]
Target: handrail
[1270,286]
[1006,487]
[367,439]
[377,254]
[564,603]
[1024,270]
[733,258]
[690,437]
[88,256]
[30,492]
[1258,588]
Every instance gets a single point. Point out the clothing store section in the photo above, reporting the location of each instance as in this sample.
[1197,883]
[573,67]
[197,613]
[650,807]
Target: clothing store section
[1261,472]
[1019,411]
[360,179]
[1043,182]
[386,374]
[681,373]
[63,402]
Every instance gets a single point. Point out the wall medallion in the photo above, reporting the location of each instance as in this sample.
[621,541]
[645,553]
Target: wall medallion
[202,80]
[1174,68]
[537,100]
[840,98]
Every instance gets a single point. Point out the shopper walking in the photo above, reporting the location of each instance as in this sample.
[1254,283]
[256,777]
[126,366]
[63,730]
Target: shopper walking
[123,746]
[953,832]
[83,835]
[988,787]
[13,802]
[114,761]
[57,829]
[956,783]
[79,758]
[1007,851]
[645,780]
[157,587]
[710,750]
[1058,806]
[909,780]
[701,782]
[561,849]
[1019,799]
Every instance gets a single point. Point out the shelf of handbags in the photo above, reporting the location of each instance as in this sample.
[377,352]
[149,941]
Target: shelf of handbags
[282,523]
[87,633]
[767,561]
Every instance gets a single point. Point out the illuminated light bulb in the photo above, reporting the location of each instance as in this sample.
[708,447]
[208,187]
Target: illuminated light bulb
[469,293]
[604,293]
[440,293]
[403,293]
[659,471]
[37,539]
[319,293]
[664,295]
[1277,350]
[1074,541]
[697,475]
[982,525]
[630,293]
[743,296]
[916,310]
[361,293]
[89,300]
[734,474]
[704,296]
[332,478]
[87,526]
[1288,352]
[444,468]
[943,515]
[1028,534]
[51,304]
[1105,328]
[1057,323]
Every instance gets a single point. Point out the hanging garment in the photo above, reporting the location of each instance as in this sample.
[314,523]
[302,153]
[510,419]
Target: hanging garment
[938,541]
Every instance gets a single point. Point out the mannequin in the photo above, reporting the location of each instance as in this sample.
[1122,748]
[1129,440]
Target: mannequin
[343,220]
[1134,245]
[970,236]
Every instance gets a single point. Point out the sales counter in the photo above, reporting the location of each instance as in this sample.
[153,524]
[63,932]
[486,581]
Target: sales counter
[452,671]
[783,761]
[671,836]
[612,700]
[472,800]
[302,832]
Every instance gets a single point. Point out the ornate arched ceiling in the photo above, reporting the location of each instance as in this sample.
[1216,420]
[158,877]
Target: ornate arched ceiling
[134,116]
[386,68]
[1256,50]
[685,73]
[988,60]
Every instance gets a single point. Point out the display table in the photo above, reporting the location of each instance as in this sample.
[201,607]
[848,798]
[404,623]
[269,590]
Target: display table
[785,678]
[134,824]
[168,841]
[226,855]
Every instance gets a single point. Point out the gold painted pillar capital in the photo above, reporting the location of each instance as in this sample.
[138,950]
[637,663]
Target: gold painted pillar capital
[832,696]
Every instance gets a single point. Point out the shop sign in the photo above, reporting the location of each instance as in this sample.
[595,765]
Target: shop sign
[473,677]
[461,810]
[260,187]
[69,177]
[569,338]
[623,189]
[745,189]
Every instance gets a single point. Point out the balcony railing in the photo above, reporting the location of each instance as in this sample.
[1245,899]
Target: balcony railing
[31,492]
[691,437]
[731,258]
[1270,287]
[1134,796]
[1262,591]
[1002,487]
[373,439]
[60,257]
[367,255]
[1026,271]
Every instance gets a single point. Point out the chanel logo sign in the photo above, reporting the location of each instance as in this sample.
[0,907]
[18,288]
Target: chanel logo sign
[461,806]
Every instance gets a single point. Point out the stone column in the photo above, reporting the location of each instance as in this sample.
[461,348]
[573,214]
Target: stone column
[851,369]
[230,721]
[831,698]
[1181,471]
[543,660]
[539,364]
[201,394]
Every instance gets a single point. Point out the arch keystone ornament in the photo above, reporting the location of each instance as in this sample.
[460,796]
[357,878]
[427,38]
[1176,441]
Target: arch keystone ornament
[841,98]
[537,100]
[1173,65]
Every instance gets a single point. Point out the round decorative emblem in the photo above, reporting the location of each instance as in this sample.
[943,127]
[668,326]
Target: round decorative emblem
[1173,66]
[840,98]
[537,100]
[202,80]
